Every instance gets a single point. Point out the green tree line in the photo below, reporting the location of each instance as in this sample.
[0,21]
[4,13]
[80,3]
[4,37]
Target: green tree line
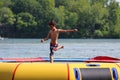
[30,18]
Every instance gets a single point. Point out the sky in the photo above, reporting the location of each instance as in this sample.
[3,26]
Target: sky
[118,1]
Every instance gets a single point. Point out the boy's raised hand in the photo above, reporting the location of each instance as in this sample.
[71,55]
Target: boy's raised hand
[75,30]
[42,40]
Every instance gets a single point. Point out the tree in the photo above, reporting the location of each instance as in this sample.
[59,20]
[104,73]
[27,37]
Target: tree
[98,17]
[45,16]
[92,17]
[30,18]
[4,3]
[25,24]
[60,16]
[114,18]
[6,16]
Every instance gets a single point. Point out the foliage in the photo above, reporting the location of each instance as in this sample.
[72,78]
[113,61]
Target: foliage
[6,16]
[30,18]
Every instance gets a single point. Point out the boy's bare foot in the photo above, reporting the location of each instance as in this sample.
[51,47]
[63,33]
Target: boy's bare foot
[62,47]
[55,49]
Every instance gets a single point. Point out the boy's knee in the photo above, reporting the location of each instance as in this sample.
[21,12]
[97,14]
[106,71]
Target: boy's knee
[55,49]
[52,53]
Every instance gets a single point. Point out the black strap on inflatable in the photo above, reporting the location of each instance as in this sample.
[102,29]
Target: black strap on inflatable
[95,74]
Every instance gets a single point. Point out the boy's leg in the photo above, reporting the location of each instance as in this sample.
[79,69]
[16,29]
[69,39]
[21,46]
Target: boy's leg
[51,59]
[51,55]
[59,47]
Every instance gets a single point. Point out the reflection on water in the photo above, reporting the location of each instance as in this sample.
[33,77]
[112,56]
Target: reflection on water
[74,48]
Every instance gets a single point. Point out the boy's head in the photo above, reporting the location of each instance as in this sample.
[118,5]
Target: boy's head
[52,23]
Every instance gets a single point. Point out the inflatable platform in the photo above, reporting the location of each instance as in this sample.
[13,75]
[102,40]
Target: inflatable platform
[59,71]
[87,70]
[106,59]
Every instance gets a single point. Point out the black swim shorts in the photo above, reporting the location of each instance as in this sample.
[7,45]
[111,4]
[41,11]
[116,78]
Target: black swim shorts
[53,47]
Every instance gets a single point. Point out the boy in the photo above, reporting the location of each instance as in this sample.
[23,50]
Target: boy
[53,35]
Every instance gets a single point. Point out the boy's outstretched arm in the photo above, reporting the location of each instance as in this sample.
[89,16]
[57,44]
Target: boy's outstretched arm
[46,38]
[74,30]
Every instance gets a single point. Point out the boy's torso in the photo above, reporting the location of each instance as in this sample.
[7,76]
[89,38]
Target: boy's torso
[54,36]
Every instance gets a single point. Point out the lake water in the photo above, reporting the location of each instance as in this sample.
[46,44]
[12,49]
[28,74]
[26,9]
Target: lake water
[73,48]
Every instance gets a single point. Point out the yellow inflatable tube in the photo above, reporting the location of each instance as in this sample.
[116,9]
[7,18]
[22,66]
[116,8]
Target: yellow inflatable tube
[59,71]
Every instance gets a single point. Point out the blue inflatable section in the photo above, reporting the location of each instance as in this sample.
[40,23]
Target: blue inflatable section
[46,59]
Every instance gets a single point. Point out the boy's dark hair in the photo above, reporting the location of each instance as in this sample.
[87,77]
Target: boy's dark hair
[53,23]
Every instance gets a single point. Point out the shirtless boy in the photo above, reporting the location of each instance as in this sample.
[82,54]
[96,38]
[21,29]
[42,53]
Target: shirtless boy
[53,35]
